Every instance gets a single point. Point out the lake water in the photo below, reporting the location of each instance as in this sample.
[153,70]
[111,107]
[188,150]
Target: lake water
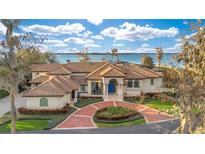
[131,57]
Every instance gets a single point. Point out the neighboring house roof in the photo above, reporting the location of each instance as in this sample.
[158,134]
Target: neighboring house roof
[40,79]
[57,86]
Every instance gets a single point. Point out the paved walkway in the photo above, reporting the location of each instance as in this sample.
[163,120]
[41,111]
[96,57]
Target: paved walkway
[165,127]
[5,105]
[83,118]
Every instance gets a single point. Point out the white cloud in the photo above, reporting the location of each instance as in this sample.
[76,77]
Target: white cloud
[56,43]
[92,45]
[145,45]
[145,50]
[85,34]
[118,44]
[53,41]
[97,37]
[60,45]
[132,32]
[2,29]
[78,40]
[175,49]
[95,21]
[74,28]
[42,47]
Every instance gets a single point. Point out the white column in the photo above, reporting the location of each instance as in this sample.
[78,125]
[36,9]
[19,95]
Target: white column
[76,94]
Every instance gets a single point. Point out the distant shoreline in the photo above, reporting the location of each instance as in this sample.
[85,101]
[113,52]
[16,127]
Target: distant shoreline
[108,53]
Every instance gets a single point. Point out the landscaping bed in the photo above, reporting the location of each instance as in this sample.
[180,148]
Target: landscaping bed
[28,122]
[82,102]
[117,116]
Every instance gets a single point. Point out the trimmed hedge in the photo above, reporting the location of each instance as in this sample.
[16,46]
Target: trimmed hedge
[24,110]
[84,101]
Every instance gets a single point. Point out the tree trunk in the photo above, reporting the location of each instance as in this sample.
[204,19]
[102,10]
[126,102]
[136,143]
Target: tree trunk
[13,113]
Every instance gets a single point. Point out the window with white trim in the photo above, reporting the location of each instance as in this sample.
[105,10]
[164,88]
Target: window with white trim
[133,84]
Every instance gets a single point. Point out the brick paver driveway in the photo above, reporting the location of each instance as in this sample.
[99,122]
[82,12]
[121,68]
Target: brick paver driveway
[83,118]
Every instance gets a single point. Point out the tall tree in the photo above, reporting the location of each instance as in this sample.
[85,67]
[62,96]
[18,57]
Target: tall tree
[147,61]
[15,63]
[83,55]
[159,55]
[10,70]
[190,81]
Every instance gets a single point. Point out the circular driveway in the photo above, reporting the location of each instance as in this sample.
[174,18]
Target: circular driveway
[83,117]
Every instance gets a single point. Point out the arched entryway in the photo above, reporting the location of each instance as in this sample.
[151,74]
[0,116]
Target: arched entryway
[112,87]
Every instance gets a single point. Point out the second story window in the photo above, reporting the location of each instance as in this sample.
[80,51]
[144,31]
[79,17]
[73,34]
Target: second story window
[152,82]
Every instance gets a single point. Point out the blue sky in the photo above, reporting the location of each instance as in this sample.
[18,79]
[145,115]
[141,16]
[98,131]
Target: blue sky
[103,35]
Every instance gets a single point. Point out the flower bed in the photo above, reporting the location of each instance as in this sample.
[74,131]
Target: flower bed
[24,110]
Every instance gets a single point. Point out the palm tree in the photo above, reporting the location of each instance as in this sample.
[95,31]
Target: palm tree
[159,54]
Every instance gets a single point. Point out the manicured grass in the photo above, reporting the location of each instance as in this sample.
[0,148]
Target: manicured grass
[3,93]
[132,100]
[86,101]
[129,123]
[26,125]
[156,104]
[36,121]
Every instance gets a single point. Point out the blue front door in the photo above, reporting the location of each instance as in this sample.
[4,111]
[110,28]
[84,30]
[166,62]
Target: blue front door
[111,88]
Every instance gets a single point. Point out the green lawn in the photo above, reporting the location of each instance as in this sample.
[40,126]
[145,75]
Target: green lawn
[3,93]
[36,121]
[129,123]
[132,100]
[156,104]
[26,125]
[86,101]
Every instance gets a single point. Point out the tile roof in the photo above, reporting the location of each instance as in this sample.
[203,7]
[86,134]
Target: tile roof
[107,70]
[57,86]
[112,72]
[61,70]
[80,80]
[40,79]
[44,67]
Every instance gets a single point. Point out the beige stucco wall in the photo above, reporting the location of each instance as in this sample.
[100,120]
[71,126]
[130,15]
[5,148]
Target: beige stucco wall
[79,74]
[53,102]
[145,86]
[35,74]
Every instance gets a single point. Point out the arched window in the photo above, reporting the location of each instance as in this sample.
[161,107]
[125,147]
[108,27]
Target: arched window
[43,101]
